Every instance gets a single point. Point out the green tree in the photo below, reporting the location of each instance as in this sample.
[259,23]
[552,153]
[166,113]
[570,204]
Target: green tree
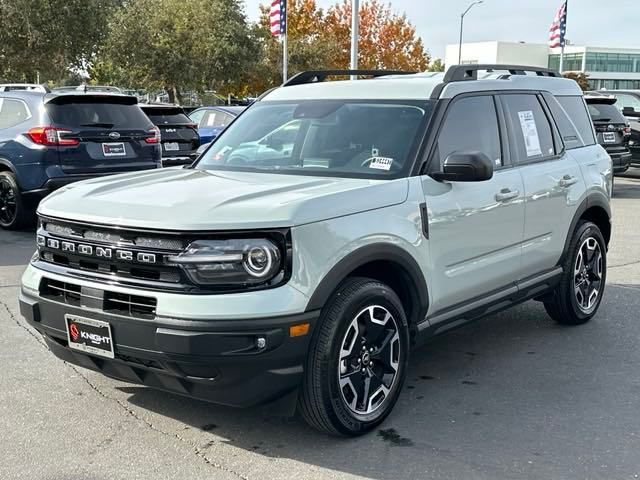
[177,44]
[436,66]
[52,38]
[308,49]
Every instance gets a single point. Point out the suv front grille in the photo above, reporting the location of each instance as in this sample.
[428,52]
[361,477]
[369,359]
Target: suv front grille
[128,256]
[135,306]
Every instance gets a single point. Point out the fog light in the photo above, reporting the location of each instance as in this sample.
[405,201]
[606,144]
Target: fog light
[261,342]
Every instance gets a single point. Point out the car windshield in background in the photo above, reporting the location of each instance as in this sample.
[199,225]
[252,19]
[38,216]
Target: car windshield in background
[605,112]
[325,138]
[99,114]
[166,117]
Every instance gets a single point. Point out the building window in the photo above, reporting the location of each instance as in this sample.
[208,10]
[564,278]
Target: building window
[613,62]
[572,62]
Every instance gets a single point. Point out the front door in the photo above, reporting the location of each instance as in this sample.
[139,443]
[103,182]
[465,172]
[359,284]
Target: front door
[475,228]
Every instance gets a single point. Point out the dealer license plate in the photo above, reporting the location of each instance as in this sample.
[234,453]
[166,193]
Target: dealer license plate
[89,336]
[114,149]
[609,137]
[172,146]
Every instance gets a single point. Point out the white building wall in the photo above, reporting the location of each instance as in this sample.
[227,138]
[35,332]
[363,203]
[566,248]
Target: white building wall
[533,54]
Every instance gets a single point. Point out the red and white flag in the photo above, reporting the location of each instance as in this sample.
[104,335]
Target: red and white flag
[278,17]
[558,28]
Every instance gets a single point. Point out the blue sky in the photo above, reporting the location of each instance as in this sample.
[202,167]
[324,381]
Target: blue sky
[589,23]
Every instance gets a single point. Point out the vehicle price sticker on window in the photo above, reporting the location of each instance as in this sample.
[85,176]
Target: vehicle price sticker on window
[530,133]
[380,163]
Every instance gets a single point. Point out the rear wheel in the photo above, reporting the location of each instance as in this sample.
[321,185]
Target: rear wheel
[579,294]
[357,361]
[14,213]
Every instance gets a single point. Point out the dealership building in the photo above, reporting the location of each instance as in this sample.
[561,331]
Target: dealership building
[610,68]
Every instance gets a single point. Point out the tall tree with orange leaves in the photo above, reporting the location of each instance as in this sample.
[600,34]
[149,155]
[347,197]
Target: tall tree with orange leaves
[388,40]
[321,39]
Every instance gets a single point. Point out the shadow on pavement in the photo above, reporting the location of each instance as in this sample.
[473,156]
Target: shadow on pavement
[16,248]
[511,396]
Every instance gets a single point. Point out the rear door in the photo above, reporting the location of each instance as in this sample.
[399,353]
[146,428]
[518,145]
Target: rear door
[179,134]
[103,134]
[553,182]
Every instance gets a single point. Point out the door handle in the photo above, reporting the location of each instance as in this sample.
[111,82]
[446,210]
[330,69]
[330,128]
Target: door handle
[567,181]
[506,194]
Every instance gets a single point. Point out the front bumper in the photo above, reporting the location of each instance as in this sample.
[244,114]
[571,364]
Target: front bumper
[218,361]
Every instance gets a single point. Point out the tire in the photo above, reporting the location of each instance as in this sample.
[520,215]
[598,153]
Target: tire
[573,301]
[14,212]
[334,385]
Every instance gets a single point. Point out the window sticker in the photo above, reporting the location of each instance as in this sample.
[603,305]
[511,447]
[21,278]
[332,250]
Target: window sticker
[380,163]
[530,133]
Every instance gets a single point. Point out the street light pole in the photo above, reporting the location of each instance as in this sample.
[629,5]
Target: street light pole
[478,2]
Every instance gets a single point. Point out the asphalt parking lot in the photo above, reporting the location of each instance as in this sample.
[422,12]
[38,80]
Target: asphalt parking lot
[513,396]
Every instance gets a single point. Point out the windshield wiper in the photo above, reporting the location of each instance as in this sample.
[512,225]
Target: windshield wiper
[97,124]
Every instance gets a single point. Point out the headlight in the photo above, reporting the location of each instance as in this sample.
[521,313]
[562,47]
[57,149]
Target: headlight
[231,262]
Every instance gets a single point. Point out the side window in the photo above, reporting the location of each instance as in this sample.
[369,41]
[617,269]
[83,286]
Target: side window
[196,117]
[471,125]
[577,111]
[531,137]
[12,112]
[216,119]
[566,126]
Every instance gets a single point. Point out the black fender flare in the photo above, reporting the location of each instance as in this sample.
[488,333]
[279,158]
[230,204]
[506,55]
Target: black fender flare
[594,199]
[367,254]
[9,165]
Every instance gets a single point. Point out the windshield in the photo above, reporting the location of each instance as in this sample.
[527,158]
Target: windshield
[327,138]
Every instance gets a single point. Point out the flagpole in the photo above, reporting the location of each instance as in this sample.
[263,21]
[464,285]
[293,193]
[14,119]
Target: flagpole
[285,44]
[566,16]
[285,59]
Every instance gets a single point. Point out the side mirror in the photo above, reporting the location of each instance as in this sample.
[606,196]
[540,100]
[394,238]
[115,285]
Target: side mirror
[465,167]
[630,112]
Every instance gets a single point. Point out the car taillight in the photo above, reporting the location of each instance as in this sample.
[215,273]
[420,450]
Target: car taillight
[155,131]
[627,130]
[192,125]
[51,136]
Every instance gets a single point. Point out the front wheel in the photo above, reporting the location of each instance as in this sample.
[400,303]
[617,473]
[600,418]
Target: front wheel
[579,293]
[357,360]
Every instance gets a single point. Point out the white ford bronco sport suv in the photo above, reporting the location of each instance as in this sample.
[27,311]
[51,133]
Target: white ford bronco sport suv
[330,228]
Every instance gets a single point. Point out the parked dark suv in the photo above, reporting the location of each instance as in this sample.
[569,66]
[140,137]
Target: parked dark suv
[48,140]
[612,129]
[180,139]
[629,104]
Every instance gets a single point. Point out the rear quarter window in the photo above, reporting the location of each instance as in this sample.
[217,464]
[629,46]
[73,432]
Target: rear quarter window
[13,112]
[102,114]
[576,110]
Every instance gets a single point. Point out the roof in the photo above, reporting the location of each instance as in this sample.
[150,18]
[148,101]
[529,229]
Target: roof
[422,86]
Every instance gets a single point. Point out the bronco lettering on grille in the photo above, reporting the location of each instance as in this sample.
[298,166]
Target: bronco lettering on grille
[98,252]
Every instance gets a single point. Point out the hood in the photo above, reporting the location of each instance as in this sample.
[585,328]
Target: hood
[186,199]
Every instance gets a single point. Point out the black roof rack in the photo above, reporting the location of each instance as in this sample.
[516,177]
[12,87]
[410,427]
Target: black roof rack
[461,73]
[312,76]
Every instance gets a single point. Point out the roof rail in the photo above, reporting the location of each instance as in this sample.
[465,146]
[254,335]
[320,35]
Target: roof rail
[321,75]
[461,73]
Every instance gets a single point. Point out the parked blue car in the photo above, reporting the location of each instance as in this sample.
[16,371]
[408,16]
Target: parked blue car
[212,120]
[50,139]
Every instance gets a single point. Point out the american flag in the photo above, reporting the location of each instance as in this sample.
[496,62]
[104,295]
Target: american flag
[278,17]
[558,28]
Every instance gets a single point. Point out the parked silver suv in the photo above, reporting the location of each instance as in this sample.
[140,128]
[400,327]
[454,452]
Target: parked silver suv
[332,227]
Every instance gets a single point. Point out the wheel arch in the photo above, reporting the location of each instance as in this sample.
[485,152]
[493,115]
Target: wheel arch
[595,208]
[386,263]
[7,166]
